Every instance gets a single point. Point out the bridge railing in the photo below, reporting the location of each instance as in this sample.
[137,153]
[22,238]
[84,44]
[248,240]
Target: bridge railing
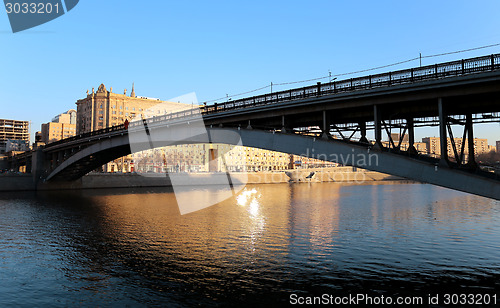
[429,72]
[89,134]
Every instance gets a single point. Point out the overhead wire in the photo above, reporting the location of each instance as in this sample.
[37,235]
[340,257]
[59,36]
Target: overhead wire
[354,72]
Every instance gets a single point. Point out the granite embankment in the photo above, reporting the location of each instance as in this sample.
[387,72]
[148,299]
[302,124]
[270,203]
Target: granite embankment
[24,182]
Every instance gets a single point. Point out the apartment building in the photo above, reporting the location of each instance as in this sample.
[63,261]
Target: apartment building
[13,130]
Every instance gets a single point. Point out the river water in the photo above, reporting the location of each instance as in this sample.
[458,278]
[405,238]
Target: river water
[132,247]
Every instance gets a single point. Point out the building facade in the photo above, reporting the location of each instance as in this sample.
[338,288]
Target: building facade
[13,130]
[219,158]
[434,148]
[62,126]
[103,109]
[421,147]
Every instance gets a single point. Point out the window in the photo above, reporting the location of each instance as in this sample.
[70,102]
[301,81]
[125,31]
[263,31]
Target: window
[121,113]
[114,112]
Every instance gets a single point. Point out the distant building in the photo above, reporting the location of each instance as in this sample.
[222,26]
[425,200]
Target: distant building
[17,145]
[69,117]
[13,130]
[498,146]
[38,136]
[104,108]
[395,137]
[62,126]
[421,147]
[434,147]
[208,158]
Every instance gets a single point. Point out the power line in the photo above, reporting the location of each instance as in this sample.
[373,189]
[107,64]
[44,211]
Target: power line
[355,72]
[460,51]
[239,94]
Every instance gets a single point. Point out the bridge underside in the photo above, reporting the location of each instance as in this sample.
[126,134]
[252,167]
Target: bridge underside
[346,153]
[83,163]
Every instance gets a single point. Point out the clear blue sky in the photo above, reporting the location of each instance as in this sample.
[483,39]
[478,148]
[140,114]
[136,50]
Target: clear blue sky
[169,48]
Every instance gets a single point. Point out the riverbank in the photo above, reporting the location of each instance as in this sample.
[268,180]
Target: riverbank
[24,182]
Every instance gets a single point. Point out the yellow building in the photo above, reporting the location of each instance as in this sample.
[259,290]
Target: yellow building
[62,126]
[104,108]
[210,158]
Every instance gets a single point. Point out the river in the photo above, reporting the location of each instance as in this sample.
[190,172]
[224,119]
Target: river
[132,247]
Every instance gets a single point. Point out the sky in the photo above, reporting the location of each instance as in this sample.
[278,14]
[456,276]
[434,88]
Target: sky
[214,48]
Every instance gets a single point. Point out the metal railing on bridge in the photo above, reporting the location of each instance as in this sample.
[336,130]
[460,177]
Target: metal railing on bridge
[99,132]
[418,74]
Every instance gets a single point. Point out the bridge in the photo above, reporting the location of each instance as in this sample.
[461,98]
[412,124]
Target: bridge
[304,120]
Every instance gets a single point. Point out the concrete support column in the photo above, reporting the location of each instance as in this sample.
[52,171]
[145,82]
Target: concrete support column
[470,141]
[249,125]
[443,135]
[53,161]
[326,125]
[362,129]
[377,118]
[28,165]
[38,165]
[283,124]
[60,157]
[411,136]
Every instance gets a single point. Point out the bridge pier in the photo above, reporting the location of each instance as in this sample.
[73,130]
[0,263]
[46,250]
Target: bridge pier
[471,163]
[283,125]
[411,136]
[53,161]
[362,129]
[443,136]
[377,119]
[326,126]
[38,166]
[60,157]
